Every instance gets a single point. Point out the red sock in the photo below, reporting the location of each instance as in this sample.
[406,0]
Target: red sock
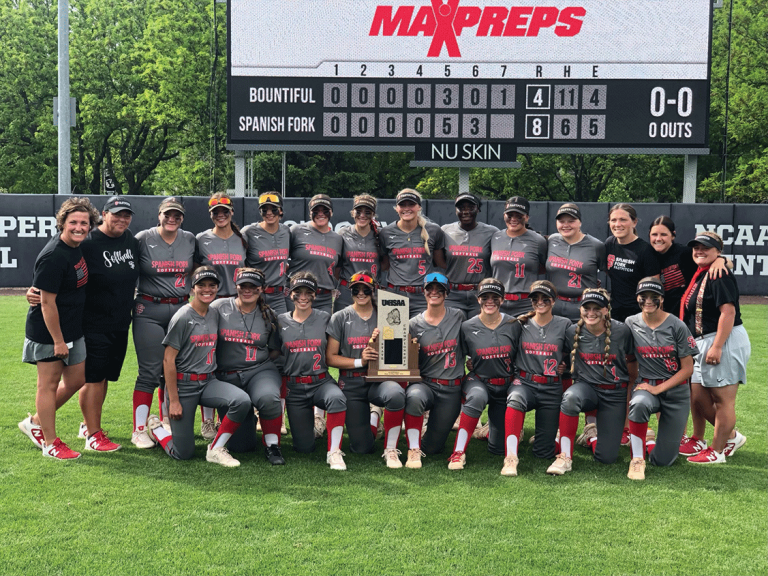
[392,419]
[140,399]
[466,423]
[638,429]
[227,426]
[568,426]
[513,422]
[567,383]
[164,442]
[160,397]
[593,443]
[413,423]
[333,421]
[271,426]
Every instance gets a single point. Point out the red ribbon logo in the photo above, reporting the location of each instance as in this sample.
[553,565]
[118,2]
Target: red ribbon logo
[445,12]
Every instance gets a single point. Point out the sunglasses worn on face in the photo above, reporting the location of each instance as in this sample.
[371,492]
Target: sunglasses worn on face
[269,198]
[269,210]
[219,201]
[357,289]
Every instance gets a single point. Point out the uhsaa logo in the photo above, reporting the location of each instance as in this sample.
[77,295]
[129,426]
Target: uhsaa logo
[444,20]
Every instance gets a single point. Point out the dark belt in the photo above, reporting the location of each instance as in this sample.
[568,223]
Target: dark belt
[442,382]
[228,373]
[192,377]
[612,386]
[514,297]
[352,373]
[304,379]
[410,289]
[274,289]
[464,287]
[157,300]
[500,381]
[566,299]
[539,379]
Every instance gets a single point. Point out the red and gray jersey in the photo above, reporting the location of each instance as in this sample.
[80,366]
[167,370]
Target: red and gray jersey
[590,355]
[164,267]
[225,256]
[195,338]
[573,267]
[441,352]
[358,253]
[304,344]
[492,351]
[516,261]
[269,252]
[408,260]
[244,339]
[659,350]
[315,252]
[351,331]
[542,348]
[468,252]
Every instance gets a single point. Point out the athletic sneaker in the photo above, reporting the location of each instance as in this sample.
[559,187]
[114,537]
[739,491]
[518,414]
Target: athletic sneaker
[33,431]
[274,455]
[100,443]
[690,446]
[560,466]
[625,440]
[708,456]
[60,451]
[481,433]
[733,444]
[392,458]
[208,429]
[83,431]
[510,466]
[167,425]
[457,461]
[221,456]
[414,458]
[589,432]
[141,438]
[336,460]
[319,426]
[636,469]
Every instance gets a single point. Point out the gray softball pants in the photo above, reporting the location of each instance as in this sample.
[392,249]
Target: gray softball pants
[674,406]
[444,405]
[477,395]
[516,307]
[360,395]
[465,300]
[277,302]
[150,323]
[299,403]
[545,399]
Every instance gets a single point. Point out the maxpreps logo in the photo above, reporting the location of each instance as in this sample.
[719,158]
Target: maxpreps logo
[444,20]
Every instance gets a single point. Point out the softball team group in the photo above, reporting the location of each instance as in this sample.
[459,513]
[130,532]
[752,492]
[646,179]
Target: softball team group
[246,323]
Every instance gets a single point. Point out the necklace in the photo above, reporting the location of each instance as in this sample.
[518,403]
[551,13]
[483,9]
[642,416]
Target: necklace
[248,329]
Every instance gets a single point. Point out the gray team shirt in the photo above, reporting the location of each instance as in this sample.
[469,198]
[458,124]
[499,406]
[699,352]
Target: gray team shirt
[225,256]
[659,351]
[542,348]
[468,252]
[515,262]
[358,253]
[408,260]
[492,351]
[351,331]
[244,339]
[304,344]
[590,355]
[573,267]
[195,337]
[269,252]
[164,267]
[315,252]
[441,348]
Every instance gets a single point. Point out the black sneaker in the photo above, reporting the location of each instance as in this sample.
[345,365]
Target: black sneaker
[274,456]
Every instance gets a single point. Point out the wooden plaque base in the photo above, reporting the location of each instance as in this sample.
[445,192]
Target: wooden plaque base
[411,375]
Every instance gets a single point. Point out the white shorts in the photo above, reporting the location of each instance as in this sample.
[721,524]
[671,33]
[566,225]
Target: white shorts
[733,362]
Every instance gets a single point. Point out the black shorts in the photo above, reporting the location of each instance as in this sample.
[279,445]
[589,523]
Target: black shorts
[105,355]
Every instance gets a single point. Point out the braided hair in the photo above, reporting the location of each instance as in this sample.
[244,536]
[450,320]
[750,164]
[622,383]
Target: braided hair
[607,325]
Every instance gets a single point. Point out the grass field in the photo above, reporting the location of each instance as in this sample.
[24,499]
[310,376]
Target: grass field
[139,512]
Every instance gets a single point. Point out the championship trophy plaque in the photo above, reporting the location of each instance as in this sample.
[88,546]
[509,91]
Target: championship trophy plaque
[398,355]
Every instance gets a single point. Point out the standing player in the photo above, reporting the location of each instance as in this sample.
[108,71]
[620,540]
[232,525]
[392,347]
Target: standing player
[189,362]
[412,248]
[269,246]
[543,345]
[361,248]
[491,340]
[467,254]
[305,372]
[665,349]
[166,257]
[349,334]
[517,256]
[602,349]
[441,364]
[223,246]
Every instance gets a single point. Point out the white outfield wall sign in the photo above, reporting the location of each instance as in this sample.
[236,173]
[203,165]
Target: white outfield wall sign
[485,77]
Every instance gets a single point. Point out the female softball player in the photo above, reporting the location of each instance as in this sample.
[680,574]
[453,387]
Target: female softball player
[189,363]
[269,246]
[664,349]
[305,372]
[491,340]
[248,343]
[543,345]
[710,309]
[602,348]
[350,332]
[467,254]
[517,256]
[441,364]
[412,247]
[54,335]
[166,257]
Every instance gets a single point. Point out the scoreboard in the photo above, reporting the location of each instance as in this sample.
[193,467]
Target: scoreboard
[469,79]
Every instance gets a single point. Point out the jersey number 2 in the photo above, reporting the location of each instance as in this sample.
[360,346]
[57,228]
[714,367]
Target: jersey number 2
[316,365]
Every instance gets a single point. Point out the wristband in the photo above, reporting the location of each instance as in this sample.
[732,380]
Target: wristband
[358,363]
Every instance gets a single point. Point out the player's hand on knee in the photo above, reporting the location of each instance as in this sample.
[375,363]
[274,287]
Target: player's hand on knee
[174,410]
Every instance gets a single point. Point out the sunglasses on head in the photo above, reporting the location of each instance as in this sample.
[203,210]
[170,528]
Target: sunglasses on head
[364,289]
[224,201]
[269,198]
[269,210]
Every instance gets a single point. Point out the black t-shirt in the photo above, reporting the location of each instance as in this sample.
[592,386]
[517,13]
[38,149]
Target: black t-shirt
[626,265]
[677,270]
[113,268]
[717,292]
[60,270]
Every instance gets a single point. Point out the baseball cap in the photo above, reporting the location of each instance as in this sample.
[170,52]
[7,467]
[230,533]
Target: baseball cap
[706,240]
[252,276]
[271,198]
[595,298]
[569,210]
[297,282]
[467,197]
[542,287]
[437,278]
[320,200]
[116,204]
[172,203]
[362,278]
[365,201]
[203,274]
[651,285]
[491,286]
[517,204]
[408,196]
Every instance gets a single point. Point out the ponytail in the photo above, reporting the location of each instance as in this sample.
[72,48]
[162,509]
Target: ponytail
[236,230]
[424,234]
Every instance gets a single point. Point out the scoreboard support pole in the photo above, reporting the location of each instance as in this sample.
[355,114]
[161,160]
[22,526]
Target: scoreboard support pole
[239,173]
[689,179]
[463,180]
